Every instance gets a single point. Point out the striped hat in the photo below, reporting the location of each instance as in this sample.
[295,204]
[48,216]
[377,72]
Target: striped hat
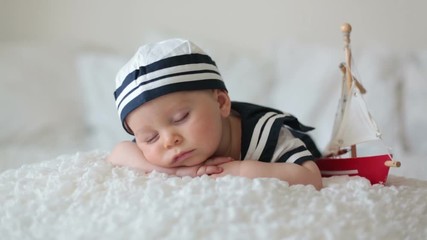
[161,68]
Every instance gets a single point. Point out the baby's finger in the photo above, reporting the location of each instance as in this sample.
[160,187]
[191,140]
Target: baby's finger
[217,175]
[218,161]
[209,170]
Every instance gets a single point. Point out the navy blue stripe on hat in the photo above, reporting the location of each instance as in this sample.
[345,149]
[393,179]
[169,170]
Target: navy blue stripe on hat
[193,58]
[160,91]
[164,77]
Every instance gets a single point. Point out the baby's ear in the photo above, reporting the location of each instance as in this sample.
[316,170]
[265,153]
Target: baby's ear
[224,102]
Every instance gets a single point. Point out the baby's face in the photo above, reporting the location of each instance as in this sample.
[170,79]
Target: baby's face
[180,129]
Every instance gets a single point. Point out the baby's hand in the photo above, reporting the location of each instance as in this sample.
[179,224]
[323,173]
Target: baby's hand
[210,166]
[229,168]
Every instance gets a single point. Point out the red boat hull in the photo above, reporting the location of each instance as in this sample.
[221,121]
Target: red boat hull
[373,167]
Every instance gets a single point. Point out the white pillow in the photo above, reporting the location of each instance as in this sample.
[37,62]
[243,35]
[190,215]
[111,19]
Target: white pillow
[40,103]
[414,90]
[248,77]
[97,72]
[307,86]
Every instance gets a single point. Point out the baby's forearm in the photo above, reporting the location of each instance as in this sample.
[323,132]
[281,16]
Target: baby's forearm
[128,154]
[308,173]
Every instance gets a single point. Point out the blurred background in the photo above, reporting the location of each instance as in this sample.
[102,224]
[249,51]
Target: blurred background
[58,60]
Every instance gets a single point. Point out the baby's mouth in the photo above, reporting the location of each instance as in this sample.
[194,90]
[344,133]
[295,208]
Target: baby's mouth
[182,156]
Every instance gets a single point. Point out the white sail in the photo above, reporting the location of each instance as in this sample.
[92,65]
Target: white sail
[353,122]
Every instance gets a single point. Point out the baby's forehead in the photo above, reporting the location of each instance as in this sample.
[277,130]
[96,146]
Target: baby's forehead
[165,107]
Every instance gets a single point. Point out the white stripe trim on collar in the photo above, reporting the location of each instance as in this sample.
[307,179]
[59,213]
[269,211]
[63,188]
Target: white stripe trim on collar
[255,135]
[264,136]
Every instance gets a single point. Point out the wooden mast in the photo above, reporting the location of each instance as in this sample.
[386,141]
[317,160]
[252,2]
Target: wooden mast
[346,30]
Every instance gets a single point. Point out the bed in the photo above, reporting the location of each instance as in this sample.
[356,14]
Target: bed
[56,184]
[82,196]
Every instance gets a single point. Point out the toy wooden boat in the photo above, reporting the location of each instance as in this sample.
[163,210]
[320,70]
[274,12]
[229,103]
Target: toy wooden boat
[353,126]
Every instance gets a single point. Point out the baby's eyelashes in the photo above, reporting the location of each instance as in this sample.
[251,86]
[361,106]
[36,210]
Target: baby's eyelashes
[149,138]
[180,117]
[152,139]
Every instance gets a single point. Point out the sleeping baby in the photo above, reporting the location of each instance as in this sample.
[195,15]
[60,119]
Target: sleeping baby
[171,97]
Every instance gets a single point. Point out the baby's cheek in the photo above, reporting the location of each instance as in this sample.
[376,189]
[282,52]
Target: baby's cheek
[152,156]
[208,131]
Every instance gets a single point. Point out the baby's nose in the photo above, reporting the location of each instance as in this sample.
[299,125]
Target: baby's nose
[173,140]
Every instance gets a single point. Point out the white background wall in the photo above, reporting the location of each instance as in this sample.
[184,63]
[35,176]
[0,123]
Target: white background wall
[121,24]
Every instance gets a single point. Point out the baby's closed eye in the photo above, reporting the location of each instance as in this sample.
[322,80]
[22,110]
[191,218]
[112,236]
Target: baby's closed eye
[152,138]
[147,138]
[180,117]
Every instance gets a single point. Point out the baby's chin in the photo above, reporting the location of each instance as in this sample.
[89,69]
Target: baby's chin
[190,163]
[173,164]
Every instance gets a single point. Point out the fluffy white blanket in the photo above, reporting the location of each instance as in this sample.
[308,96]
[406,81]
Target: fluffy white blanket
[83,197]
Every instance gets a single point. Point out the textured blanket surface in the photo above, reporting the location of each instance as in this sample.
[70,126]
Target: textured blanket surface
[82,196]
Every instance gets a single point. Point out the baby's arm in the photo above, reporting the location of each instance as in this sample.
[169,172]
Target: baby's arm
[307,173]
[128,154]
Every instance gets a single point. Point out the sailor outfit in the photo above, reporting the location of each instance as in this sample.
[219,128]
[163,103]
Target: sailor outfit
[270,135]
